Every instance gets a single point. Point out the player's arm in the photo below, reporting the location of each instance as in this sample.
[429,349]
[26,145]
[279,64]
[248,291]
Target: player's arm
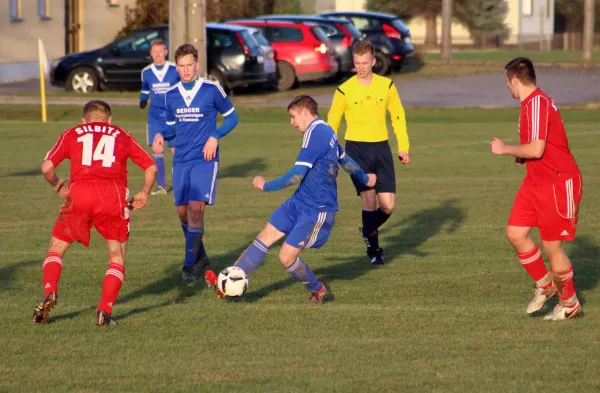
[537,128]
[53,159]
[145,93]
[394,106]
[354,170]
[293,176]
[142,159]
[338,107]
[225,108]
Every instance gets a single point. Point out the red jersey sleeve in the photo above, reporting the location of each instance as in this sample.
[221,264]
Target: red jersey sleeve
[537,118]
[138,155]
[60,151]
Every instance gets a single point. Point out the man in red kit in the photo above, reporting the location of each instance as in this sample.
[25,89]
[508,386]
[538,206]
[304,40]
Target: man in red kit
[97,196]
[549,196]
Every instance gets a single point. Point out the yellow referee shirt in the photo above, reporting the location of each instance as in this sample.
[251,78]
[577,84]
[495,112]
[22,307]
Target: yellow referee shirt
[365,110]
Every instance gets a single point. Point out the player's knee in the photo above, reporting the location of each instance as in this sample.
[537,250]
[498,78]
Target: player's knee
[388,209]
[515,235]
[286,259]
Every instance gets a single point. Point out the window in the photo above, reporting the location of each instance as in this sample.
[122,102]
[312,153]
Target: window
[219,40]
[44,9]
[527,7]
[286,34]
[15,11]
[260,38]
[112,3]
[137,43]
[364,24]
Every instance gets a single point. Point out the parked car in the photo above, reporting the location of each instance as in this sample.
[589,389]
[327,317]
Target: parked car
[234,59]
[387,32]
[302,50]
[341,32]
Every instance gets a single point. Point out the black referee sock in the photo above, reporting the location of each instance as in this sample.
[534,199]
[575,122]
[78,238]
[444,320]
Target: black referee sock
[382,217]
[369,230]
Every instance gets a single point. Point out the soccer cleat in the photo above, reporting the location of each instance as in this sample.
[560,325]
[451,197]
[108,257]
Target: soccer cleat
[318,297]
[159,191]
[540,296]
[40,314]
[187,275]
[220,294]
[376,256]
[105,320]
[210,278]
[562,313]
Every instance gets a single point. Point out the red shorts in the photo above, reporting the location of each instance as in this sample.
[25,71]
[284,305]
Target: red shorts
[553,208]
[102,205]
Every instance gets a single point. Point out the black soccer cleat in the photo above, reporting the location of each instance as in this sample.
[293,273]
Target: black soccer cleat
[105,320]
[40,314]
[187,275]
[376,256]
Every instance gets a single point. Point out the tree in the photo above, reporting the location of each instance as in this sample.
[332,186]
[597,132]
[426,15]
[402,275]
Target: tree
[145,13]
[569,16]
[484,19]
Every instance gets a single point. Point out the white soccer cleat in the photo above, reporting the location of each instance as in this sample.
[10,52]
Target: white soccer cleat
[561,313]
[540,296]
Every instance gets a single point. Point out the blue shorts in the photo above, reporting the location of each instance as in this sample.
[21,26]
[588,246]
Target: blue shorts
[304,229]
[153,129]
[195,182]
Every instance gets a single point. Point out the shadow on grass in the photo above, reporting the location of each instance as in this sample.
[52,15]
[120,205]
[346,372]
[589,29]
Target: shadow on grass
[8,273]
[32,172]
[402,238]
[584,255]
[245,169]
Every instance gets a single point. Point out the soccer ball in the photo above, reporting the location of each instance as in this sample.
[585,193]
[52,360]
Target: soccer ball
[232,281]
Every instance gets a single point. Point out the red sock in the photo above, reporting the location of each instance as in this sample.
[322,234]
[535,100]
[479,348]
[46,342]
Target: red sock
[565,287]
[111,286]
[51,269]
[534,265]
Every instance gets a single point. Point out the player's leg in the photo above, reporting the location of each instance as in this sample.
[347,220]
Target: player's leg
[558,210]
[522,218]
[113,280]
[310,231]
[51,270]
[152,128]
[195,259]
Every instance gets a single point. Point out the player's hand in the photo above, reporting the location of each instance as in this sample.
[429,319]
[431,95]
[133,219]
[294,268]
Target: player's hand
[210,148]
[497,146]
[403,156]
[143,103]
[158,144]
[61,188]
[138,201]
[372,180]
[519,161]
[259,182]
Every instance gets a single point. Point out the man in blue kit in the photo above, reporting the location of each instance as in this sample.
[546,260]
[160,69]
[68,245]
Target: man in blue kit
[192,106]
[157,78]
[307,216]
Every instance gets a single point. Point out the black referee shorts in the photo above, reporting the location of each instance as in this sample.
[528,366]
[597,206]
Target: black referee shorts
[374,157]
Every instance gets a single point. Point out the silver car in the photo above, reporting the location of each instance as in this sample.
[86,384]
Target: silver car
[269,52]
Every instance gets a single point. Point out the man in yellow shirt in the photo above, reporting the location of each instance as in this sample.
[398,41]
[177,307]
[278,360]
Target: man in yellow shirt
[364,100]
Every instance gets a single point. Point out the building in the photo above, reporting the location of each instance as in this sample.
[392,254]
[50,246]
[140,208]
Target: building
[65,26]
[529,21]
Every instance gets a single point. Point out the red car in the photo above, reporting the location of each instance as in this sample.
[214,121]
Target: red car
[302,50]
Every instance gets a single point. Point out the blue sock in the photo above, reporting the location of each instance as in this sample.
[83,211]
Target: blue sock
[252,257]
[193,241]
[184,226]
[159,160]
[301,272]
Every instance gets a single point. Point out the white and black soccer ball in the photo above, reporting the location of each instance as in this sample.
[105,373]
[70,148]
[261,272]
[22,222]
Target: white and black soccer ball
[232,281]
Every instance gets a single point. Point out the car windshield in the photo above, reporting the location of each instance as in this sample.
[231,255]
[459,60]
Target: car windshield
[249,39]
[319,34]
[260,38]
[354,32]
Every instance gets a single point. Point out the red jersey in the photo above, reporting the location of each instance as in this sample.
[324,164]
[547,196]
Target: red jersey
[540,119]
[99,152]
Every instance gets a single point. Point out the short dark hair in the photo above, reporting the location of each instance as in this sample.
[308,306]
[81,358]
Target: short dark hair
[184,50]
[96,108]
[363,47]
[157,43]
[304,102]
[522,69]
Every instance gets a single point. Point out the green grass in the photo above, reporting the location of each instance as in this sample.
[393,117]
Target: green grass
[505,55]
[445,315]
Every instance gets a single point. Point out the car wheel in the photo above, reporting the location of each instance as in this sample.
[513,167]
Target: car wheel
[217,77]
[287,76]
[382,64]
[82,80]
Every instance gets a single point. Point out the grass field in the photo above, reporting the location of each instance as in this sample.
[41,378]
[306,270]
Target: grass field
[555,56]
[445,315]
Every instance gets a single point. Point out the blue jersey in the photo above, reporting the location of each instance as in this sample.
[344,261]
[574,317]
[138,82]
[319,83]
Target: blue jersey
[320,152]
[193,113]
[155,83]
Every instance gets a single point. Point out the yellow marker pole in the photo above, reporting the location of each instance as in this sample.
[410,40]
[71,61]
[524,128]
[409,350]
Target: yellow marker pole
[43,65]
